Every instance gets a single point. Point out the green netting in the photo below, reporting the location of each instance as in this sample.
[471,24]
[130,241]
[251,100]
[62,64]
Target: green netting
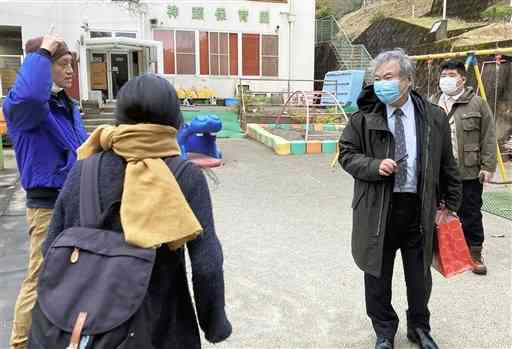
[230,124]
[498,203]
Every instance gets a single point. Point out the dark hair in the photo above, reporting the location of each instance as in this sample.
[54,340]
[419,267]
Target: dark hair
[454,65]
[148,99]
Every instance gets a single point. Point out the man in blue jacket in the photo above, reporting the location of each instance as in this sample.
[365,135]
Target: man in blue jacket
[45,127]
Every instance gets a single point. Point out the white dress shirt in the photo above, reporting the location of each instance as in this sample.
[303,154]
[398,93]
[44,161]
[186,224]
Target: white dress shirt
[409,121]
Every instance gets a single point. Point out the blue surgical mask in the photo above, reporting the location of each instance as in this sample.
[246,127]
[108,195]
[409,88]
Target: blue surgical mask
[387,91]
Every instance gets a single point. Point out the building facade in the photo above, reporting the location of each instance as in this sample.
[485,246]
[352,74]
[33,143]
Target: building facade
[215,44]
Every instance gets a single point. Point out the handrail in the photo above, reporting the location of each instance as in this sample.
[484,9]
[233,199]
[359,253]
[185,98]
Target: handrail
[341,38]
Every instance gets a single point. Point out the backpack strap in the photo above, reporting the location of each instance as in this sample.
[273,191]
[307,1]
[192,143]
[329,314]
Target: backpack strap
[90,209]
[177,165]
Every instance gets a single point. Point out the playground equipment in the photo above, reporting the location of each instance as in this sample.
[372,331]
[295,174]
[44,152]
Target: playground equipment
[498,62]
[312,104]
[197,141]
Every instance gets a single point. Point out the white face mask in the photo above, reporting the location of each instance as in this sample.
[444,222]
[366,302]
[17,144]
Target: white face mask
[449,85]
[56,89]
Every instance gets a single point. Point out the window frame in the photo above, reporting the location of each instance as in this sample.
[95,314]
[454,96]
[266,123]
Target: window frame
[262,55]
[225,55]
[240,57]
[195,54]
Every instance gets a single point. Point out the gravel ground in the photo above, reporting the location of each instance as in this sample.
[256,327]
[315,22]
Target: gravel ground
[284,223]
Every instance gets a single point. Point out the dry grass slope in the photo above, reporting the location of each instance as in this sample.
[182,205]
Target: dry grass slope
[357,22]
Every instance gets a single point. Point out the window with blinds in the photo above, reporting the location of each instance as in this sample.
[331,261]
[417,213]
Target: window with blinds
[269,55]
[218,53]
[179,51]
[266,64]
[185,52]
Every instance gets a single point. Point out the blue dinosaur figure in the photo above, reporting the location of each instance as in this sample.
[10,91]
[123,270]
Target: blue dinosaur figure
[198,136]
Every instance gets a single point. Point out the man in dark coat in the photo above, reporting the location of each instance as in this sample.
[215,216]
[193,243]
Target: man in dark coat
[398,149]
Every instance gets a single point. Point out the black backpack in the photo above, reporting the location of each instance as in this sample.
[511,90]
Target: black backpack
[92,287]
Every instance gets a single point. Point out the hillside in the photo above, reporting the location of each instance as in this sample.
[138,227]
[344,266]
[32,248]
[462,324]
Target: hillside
[426,12]
[467,9]
[390,24]
[358,21]
[489,34]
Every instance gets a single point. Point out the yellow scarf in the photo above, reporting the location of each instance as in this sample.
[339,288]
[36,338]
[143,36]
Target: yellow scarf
[154,210]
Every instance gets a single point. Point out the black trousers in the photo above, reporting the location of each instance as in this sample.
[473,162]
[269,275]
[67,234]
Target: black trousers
[403,232]
[470,212]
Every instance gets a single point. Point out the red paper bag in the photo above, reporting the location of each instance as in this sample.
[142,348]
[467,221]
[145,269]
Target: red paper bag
[451,255]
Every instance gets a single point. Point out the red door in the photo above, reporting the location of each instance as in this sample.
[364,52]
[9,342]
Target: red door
[74,91]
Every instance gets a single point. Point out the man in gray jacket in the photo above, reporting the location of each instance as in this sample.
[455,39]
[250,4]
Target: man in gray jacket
[474,146]
[398,149]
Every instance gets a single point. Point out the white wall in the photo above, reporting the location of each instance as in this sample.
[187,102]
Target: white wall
[36,16]
[225,87]
[303,49]
[303,38]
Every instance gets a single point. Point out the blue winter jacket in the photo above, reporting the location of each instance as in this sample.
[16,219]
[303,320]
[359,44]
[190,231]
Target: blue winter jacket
[46,129]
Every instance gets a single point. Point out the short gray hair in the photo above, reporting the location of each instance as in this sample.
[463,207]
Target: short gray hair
[407,65]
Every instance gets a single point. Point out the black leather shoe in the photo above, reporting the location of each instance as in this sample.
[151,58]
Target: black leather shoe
[384,343]
[422,338]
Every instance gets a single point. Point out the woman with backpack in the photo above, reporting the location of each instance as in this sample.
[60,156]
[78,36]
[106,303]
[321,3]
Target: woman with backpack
[159,203]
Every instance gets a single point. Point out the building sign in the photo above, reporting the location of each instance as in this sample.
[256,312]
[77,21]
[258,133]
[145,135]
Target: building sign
[221,14]
[243,15]
[172,11]
[265,17]
[198,13]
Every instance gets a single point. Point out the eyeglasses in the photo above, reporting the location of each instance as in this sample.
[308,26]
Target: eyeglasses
[65,66]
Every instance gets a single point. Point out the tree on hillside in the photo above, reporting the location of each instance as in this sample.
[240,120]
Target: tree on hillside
[336,8]
[498,13]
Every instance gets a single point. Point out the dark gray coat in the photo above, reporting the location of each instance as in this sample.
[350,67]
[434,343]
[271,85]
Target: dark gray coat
[174,323]
[365,142]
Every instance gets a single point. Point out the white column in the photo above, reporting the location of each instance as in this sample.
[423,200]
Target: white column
[160,57]
[444,9]
[84,76]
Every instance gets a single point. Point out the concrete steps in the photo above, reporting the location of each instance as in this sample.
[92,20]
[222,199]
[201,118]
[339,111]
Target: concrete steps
[94,116]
